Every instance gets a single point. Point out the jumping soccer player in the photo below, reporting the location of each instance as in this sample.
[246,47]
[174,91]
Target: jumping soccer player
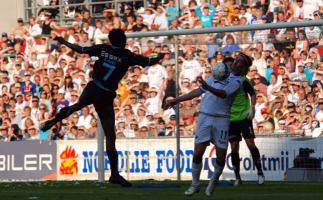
[213,123]
[112,64]
[241,117]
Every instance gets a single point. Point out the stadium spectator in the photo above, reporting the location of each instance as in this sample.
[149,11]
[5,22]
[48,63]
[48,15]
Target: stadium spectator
[259,86]
[157,76]
[34,28]
[191,68]
[47,24]
[171,11]
[205,13]
[85,119]
[139,25]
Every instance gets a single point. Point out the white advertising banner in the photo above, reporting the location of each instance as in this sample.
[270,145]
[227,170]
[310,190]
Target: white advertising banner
[141,159]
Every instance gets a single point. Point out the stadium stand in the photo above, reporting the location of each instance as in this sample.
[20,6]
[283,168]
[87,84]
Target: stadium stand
[39,76]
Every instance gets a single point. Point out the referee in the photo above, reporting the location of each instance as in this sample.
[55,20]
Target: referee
[112,64]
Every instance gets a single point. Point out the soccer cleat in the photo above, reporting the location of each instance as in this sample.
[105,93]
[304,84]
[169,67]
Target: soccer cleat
[119,180]
[48,125]
[261,179]
[237,182]
[192,190]
[210,187]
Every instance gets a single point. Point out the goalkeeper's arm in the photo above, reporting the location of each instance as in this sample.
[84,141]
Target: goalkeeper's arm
[252,109]
[252,94]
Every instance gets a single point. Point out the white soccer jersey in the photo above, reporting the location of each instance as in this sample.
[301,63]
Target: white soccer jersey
[216,106]
[214,118]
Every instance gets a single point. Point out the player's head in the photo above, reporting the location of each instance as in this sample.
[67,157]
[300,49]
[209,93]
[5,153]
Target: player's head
[241,65]
[228,61]
[118,38]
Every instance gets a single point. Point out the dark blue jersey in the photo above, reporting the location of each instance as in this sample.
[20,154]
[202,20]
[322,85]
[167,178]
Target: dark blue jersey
[113,62]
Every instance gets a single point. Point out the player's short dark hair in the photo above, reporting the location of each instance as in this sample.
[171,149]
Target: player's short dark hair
[228,61]
[246,59]
[118,38]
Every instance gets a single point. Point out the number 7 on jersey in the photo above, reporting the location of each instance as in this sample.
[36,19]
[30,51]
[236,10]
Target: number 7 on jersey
[109,69]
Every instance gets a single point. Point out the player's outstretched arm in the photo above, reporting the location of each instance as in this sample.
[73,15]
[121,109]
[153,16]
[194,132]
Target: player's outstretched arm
[146,61]
[191,95]
[216,92]
[74,47]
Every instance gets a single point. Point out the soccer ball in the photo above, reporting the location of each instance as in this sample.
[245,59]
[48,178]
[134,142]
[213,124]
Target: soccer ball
[220,71]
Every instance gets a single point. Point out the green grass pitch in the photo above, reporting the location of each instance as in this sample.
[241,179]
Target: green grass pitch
[173,191]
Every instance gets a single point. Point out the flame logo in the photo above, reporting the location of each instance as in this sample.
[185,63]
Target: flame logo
[69,161]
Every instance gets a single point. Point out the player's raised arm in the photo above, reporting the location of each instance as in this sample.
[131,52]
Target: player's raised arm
[74,47]
[146,61]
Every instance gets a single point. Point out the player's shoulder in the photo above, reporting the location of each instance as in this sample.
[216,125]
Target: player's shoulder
[102,46]
[210,79]
[234,79]
[116,49]
[127,53]
[245,79]
[248,82]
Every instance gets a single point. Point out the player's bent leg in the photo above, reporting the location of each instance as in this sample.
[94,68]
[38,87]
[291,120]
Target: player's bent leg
[84,100]
[235,159]
[219,165]
[62,114]
[199,150]
[256,159]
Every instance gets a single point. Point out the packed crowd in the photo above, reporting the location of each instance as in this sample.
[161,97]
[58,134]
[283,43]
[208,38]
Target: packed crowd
[39,76]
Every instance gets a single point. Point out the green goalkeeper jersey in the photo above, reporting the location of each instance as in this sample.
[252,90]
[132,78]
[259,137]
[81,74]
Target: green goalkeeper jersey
[241,103]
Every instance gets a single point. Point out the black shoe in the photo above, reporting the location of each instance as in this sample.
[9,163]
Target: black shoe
[47,125]
[119,180]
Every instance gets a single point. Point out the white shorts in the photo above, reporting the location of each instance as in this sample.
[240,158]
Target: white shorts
[212,129]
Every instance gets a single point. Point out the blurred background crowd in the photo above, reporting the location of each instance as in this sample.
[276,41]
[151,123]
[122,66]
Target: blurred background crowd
[39,76]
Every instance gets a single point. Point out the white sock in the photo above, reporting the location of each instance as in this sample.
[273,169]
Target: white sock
[217,171]
[196,171]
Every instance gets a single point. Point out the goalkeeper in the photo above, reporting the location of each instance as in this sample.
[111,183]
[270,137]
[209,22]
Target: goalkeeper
[242,113]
